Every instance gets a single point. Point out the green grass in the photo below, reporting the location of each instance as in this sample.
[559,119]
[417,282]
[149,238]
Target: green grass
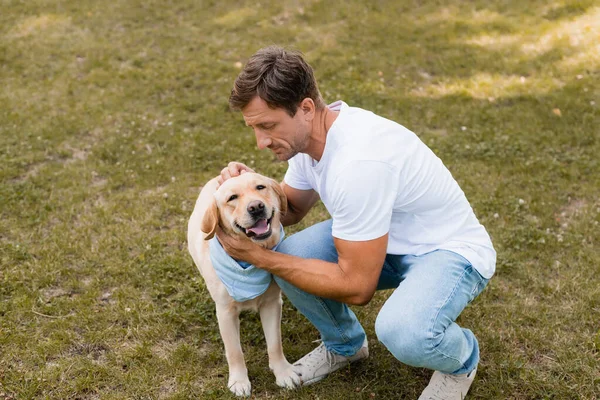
[112,114]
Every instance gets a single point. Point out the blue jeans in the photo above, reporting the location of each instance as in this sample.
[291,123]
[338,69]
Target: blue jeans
[416,323]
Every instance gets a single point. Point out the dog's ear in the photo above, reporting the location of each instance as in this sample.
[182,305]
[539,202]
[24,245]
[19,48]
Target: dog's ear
[283,203]
[210,220]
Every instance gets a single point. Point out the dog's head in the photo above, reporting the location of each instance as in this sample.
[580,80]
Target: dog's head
[249,206]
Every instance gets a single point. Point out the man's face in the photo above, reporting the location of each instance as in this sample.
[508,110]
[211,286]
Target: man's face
[274,128]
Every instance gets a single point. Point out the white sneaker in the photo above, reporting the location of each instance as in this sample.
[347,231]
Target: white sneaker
[320,362]
[448,387]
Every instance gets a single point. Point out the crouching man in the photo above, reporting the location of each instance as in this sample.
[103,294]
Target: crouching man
[398,220]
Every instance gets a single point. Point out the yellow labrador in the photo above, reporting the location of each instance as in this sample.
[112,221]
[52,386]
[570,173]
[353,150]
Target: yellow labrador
[248,206]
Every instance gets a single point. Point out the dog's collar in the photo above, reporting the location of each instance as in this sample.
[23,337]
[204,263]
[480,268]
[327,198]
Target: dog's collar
[242,280]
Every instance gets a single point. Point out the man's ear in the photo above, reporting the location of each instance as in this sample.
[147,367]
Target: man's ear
[308,108]
[283,204]
[210,220]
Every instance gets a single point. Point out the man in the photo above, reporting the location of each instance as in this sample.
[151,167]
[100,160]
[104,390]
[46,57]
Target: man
[399,220]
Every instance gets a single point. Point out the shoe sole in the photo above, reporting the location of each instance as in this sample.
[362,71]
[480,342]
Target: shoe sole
[314,380]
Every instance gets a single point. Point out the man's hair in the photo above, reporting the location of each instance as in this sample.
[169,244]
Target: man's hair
[278,76]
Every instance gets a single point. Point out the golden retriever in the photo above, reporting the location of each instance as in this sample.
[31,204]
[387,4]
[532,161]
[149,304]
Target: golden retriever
[248,206]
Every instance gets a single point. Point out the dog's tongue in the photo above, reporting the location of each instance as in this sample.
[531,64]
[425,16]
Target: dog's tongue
[260,227]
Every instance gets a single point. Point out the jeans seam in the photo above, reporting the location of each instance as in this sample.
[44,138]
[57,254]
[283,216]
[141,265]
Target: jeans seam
[450,296]
[476,289]
[331,317]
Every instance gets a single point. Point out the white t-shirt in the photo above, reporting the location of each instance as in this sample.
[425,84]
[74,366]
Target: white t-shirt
[377,177]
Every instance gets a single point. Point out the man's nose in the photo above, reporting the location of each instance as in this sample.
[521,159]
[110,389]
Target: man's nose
[262,140]
[256,207]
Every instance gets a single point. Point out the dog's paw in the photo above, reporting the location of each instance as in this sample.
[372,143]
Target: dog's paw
[286,377]
[240,387]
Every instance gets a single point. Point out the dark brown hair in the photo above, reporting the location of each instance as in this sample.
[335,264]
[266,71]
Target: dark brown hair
[278,76]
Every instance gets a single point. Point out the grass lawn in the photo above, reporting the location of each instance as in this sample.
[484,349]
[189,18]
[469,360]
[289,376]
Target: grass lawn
[113,113]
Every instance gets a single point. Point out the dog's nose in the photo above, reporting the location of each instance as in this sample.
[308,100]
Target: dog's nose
[256,207]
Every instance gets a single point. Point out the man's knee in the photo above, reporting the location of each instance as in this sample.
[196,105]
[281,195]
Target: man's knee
[412,341]
[405,340]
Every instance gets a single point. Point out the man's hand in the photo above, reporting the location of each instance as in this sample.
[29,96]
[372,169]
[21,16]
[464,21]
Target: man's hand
[233,169]
[239,249]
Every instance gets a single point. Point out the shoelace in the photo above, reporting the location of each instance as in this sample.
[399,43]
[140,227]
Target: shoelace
[442,387]
[315,356]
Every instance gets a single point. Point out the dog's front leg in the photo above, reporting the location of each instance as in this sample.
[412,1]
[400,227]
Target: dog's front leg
[229,326]
[270,316]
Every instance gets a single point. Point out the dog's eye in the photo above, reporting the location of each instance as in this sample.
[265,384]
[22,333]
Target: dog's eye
[232,197]
[260,187]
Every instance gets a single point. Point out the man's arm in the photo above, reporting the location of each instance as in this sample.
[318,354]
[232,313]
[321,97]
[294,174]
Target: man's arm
[299,203]
[352,280]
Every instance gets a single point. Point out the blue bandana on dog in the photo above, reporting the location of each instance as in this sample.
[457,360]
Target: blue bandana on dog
[243,280]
